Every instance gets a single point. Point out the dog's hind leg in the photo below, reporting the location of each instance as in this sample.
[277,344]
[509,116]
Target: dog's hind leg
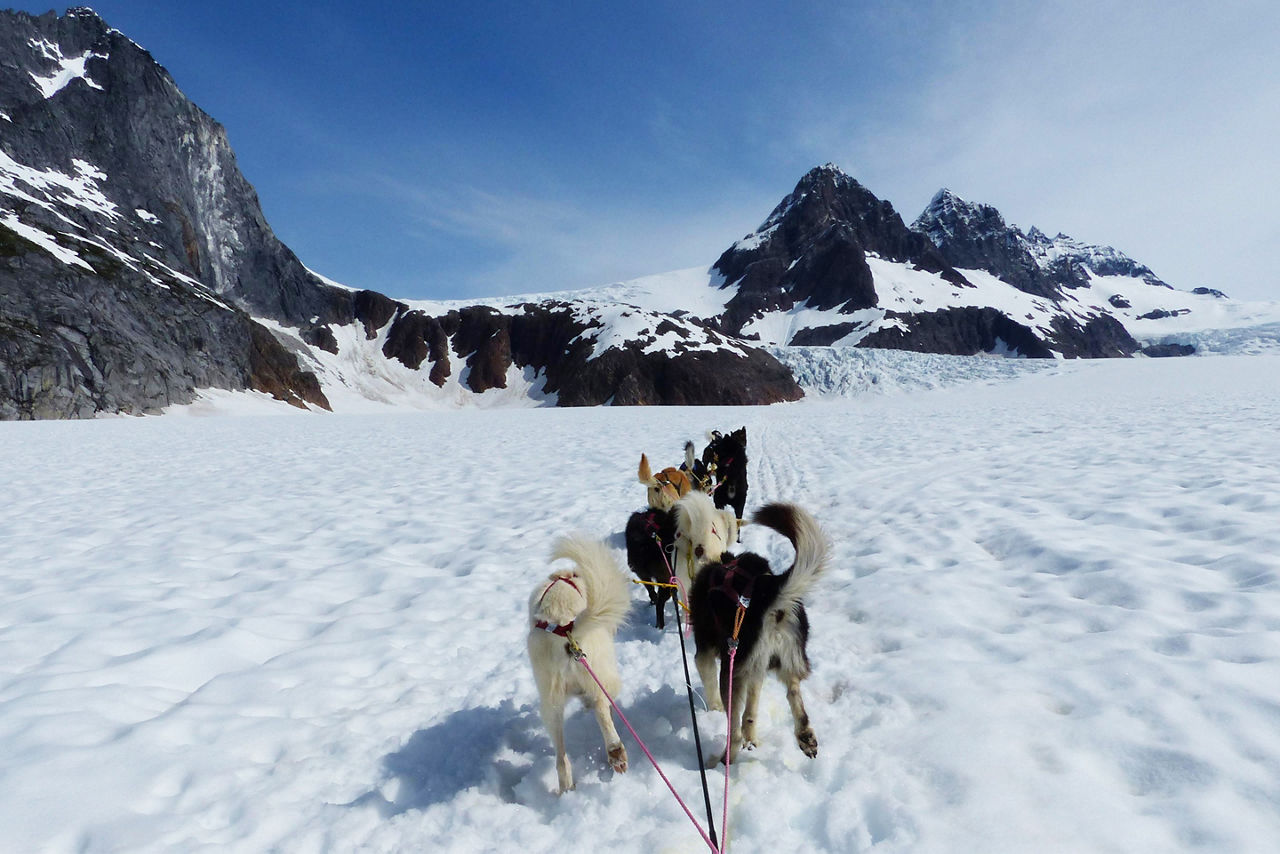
[805,736]
[553,718]
[612,744]
[707,662]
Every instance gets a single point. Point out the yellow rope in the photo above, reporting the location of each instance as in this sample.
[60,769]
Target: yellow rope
[652,583]
[663,584]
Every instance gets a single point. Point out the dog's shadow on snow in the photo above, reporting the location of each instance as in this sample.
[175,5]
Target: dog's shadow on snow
[505,751]
[461,752]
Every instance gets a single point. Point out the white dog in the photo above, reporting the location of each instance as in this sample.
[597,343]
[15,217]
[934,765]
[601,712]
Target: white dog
[583,605]
[703,533]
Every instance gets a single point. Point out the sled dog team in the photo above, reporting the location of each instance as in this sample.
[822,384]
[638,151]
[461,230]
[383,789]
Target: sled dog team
[688,530]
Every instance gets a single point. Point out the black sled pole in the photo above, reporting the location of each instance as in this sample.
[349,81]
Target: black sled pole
[693,716]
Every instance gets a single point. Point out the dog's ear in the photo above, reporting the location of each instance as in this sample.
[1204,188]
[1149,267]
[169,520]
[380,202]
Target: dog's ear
[741,436]
[644,474]
[712,435]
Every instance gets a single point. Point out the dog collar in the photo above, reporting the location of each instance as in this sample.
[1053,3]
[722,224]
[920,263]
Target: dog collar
[562,631]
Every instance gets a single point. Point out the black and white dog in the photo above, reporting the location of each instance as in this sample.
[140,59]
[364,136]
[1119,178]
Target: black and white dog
[774,629]
[651,536]
[726,455]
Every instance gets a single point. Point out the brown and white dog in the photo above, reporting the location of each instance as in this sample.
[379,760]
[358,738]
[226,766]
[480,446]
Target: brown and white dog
[666,487]
[585,604]
[774,629]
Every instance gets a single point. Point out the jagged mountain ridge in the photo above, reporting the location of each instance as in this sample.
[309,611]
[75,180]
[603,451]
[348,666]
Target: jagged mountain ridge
[975,236]
[942,285]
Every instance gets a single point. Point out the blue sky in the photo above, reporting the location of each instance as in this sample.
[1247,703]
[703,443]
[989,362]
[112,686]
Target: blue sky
[466,149]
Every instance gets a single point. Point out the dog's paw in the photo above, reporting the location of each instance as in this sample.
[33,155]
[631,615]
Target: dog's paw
[808,743]
[618,759]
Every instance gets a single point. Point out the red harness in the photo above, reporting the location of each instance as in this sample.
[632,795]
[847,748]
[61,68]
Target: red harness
[562,631]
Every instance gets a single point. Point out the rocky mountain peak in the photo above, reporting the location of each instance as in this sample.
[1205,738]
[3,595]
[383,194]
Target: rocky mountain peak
[949,219]
[975,236]
[813,248]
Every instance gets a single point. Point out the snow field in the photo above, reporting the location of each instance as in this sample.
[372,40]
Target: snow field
[1052,623]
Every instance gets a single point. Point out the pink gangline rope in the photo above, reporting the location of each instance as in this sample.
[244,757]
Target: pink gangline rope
[583,658]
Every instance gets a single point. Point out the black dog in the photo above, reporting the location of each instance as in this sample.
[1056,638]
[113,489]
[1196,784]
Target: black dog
[727,455]
[774,629]
[650,535]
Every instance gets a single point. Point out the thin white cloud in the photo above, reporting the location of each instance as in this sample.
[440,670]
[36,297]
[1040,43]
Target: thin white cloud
[1150,127]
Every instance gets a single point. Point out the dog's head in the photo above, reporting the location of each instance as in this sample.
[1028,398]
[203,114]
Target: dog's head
[703,531]
[560,599]
[666,487]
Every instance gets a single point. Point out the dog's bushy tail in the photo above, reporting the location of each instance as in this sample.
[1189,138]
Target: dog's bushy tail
[608,588]
[809,541]
[644,473]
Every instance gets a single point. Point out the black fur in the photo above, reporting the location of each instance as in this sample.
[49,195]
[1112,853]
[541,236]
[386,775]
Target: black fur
[645,555]
[714,604]
[728,453]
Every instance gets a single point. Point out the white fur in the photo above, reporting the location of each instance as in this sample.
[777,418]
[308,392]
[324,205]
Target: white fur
[597,609]
[703,534]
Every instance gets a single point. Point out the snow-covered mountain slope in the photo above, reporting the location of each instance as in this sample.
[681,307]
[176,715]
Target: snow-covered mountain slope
[307,634]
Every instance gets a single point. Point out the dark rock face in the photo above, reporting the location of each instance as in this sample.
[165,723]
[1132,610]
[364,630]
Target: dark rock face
[155,151]
[274,369]
[814,247]
[119,342]
[975,236]
[1163,351]
[1100,337]
[1210,292]
[970,331]
[557,343]
[130,245]
[958,332]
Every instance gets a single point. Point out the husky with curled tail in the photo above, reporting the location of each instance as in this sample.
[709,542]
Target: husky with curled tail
[583,604]
[774,630]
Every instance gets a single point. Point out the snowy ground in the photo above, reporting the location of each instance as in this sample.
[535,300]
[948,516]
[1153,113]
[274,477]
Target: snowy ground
[1052,624]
